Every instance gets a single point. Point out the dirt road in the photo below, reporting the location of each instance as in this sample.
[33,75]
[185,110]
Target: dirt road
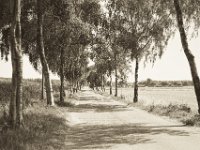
[97,122]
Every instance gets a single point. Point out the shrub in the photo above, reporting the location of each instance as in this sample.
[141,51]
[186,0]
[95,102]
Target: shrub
[191,121]
[173,111]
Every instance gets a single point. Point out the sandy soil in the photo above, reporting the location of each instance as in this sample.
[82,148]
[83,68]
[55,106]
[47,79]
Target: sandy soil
[97,122]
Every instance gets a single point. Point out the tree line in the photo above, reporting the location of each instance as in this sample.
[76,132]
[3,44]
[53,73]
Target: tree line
[154,83]
[62,35]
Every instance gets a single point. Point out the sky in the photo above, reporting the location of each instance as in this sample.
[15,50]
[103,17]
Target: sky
[28,71]
[173,65]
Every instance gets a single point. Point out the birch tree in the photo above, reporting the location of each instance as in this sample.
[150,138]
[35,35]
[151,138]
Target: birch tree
[187,51]
[41,51]
[144,32]
[16,116]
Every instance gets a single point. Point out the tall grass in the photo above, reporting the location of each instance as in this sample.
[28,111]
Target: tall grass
[42,130]
[5,91]
[41,127]
[31,89]
[31,92]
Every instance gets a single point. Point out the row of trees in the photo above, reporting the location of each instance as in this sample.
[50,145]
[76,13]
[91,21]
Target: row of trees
[154,83]
[61,35]
[54,34]
[132,30]
[143,28]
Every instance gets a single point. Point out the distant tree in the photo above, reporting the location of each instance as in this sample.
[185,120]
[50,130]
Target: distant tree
[177,84]
[164,83]
[187,83]
[149,82]
[94,80]
[108,55]
[102,57]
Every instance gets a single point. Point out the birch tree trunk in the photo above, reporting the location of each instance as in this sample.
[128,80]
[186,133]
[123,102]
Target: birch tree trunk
[62,61]
[14,85]
[116,82]
[116,79]
[102,83]
[135,99]
[16,115]
[110,83]
[40,44]
[43,91]
[187,51]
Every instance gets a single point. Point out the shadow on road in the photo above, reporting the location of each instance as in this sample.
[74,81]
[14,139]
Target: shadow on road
[52,132]
[96,107]
[85,136]
[103,137]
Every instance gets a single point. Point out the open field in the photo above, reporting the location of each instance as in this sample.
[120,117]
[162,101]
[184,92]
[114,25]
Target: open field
[161,95]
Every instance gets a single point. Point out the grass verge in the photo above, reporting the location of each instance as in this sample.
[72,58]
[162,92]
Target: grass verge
[180,112]
[43,128]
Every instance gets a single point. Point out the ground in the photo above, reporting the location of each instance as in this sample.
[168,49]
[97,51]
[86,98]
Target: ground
[95,122]
[98,122]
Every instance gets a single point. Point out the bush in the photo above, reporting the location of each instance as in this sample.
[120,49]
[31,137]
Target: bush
[191,121]
[173,111]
